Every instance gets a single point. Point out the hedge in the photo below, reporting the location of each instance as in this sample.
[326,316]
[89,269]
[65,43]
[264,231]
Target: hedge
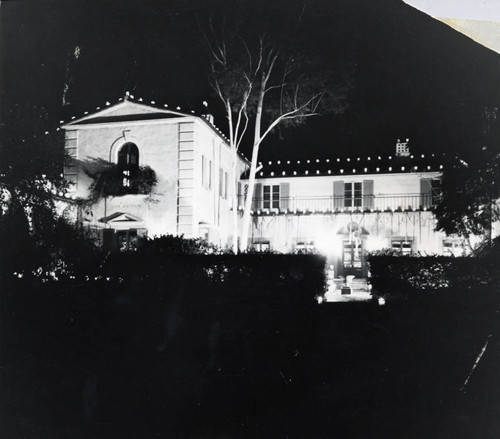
[151,339]
[409,274]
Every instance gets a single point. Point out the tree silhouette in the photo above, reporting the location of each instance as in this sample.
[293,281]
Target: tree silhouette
[269,71]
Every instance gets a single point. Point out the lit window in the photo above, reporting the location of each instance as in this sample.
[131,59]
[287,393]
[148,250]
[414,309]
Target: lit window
[210,172]
[305,246]
[453,247]
[271,196]
[222,184]
[128,162]
[128,157]
[206,172]
[261,246]
[402,246]
[353,194]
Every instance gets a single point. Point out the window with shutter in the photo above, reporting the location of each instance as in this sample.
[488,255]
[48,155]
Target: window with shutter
[271,196]
[338,194]
[425,193]
[284,196]
[353,194]
[368,197]
[257,197]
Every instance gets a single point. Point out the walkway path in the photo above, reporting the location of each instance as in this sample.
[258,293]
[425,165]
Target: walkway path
[359,292]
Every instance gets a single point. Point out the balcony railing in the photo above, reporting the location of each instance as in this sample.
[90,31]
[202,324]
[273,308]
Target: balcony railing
[332,204]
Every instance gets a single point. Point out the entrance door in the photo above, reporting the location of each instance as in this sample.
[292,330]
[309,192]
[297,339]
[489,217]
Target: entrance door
[352,258]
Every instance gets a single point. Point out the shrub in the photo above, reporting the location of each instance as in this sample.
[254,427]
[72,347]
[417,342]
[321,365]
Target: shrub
[411,274]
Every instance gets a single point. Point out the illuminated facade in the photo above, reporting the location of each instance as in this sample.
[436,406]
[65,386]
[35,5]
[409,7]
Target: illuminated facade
[189,157]
[343,207]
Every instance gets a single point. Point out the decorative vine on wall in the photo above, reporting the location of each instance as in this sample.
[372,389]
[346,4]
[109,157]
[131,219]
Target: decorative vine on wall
[109,180]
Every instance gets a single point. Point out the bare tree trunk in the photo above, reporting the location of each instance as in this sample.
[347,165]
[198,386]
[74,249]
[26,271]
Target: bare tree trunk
[253,169]
[234,202]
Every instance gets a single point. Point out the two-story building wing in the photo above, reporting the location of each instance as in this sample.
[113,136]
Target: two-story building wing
[343,207]
[191,160]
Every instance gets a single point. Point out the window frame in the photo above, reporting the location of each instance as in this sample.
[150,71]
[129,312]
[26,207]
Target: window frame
[271,196]
[401,249]
[353,194]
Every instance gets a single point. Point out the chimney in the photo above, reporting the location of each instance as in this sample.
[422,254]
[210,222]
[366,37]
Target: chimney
[402,148]
[209,118]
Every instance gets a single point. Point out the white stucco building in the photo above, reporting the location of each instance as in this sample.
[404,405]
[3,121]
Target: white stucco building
[341,207]
[190,157]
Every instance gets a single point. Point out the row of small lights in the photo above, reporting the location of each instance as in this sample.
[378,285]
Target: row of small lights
[129,96]
[403,168]
[323,211]
[278,162]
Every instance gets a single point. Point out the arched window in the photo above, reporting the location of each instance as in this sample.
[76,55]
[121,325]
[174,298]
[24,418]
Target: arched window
[128,157]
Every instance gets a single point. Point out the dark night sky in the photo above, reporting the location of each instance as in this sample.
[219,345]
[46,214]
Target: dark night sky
[412,76]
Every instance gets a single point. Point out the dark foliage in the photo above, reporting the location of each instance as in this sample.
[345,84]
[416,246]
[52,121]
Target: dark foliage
[136,358]
[402,276]
[470,192]
[164,343]
[177,245]
[109,179]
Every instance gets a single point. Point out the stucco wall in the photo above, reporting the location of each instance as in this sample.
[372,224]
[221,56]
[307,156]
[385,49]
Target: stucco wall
[322,186]
[179,203]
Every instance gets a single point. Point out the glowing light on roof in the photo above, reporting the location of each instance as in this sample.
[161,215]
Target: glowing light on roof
[390,168]
[307,172]
[341,171]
